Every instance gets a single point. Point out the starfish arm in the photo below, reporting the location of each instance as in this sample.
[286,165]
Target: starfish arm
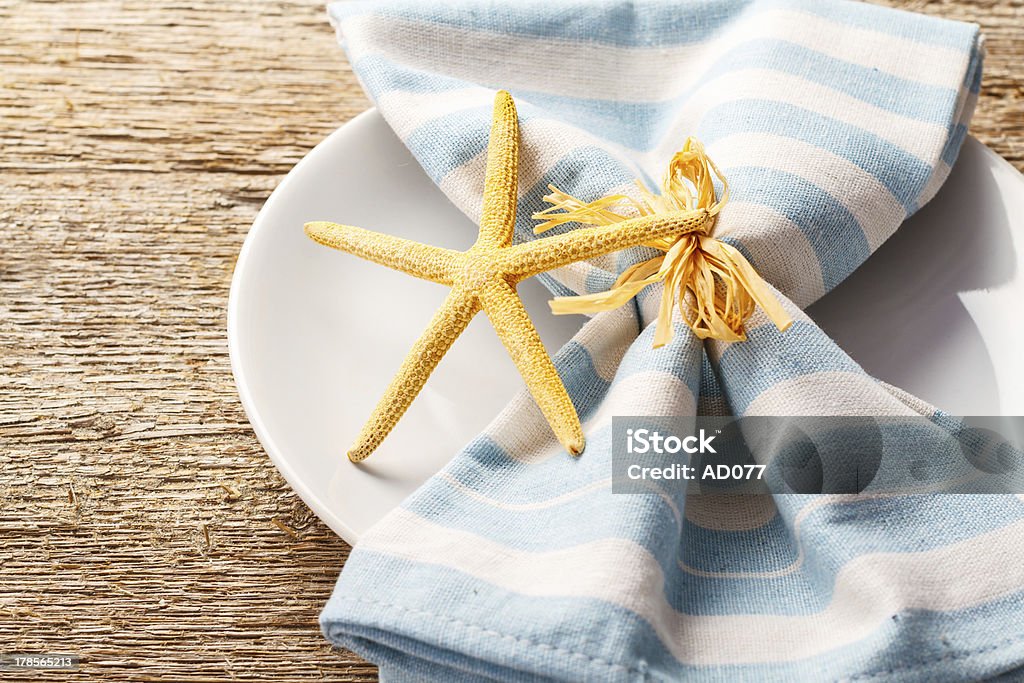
[512,323]
[446,326]
[498,218]
[548,253]
[421,260]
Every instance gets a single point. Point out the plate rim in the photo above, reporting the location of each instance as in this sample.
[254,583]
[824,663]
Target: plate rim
[270,447]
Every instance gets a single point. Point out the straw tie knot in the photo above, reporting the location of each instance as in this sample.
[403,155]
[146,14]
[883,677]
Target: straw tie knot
[713,284]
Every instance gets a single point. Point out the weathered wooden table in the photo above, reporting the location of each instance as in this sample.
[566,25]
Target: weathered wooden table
[141,524]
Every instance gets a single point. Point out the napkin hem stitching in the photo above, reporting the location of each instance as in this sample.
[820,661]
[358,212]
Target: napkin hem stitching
[878,673]
[491,632]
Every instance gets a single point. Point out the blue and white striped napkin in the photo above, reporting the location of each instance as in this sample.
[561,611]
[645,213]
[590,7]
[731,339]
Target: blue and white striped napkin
[832,121]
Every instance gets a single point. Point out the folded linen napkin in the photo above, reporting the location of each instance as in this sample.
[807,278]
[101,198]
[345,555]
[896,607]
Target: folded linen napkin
[832,121]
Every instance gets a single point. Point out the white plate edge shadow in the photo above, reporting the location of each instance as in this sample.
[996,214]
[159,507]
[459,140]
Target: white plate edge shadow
[282,461]
[321,509]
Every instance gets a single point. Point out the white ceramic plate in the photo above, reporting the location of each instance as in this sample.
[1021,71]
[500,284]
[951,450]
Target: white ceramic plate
[316,335]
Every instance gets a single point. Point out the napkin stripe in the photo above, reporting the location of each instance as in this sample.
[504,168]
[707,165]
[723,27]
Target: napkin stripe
[480,51]
[920,580]
[799,584]
[639,126]
[498,518]
[742,225]
[604,22]
[872,205]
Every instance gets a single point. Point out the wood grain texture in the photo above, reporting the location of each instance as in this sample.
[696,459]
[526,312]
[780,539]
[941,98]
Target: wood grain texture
[141,525]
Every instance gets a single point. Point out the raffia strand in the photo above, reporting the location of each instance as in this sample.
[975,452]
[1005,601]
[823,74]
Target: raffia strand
[710,281]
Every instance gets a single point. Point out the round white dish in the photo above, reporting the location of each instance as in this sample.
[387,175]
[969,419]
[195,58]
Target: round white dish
[315,335]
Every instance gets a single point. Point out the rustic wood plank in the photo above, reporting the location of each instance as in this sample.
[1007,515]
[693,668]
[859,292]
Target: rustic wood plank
[141,525]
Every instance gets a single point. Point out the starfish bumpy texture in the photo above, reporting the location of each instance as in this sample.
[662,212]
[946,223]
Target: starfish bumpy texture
[485,278]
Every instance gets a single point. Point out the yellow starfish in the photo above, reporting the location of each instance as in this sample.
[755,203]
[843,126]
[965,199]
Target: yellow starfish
[485,277]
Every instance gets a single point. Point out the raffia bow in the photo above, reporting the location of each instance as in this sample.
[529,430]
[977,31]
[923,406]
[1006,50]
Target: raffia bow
[714,284]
